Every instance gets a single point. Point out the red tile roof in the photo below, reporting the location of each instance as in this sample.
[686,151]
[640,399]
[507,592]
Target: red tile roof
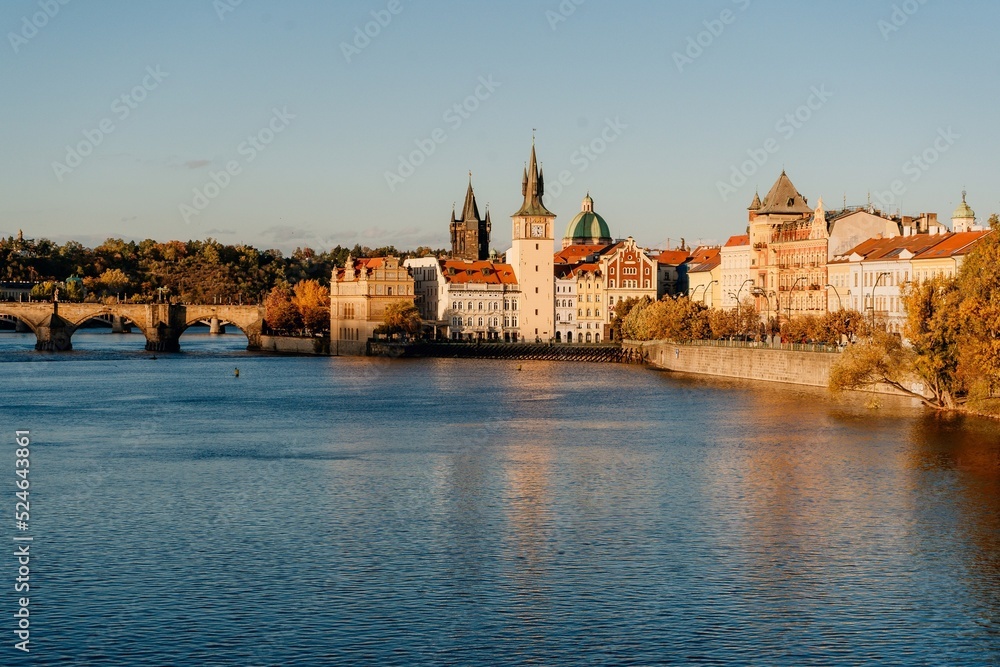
[574,253]
[488,273]
[738,240]
[673,257]
[952,245]
[704,254]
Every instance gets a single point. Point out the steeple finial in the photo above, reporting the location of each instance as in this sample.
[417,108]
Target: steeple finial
[963,194]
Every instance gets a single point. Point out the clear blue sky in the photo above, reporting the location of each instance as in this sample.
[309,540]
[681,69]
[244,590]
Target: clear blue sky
[322,180]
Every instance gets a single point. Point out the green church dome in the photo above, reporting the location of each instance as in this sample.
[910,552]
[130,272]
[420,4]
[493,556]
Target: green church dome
[963,211]
[588,226]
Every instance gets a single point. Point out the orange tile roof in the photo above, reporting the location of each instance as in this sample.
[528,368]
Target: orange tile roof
[891,248]
[738,240]
[954,244]
[704,254]
[673,257]
[457,271]
[591,267]
[362,266]
[861,249]
[574,253]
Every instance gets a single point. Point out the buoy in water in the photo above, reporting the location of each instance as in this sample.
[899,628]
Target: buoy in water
[236,372]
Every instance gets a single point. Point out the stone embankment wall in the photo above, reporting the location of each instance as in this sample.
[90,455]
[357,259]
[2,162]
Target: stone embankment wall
[803,368]
[290,345]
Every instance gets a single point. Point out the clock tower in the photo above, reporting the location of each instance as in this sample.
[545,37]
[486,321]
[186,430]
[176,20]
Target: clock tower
[531,257]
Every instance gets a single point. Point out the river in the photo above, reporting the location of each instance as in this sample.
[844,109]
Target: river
[318,511]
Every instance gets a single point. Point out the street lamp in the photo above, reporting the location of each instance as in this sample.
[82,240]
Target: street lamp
[874,287]
[696,291]
[788,306]
[760,292]
[840,304]
[705,295]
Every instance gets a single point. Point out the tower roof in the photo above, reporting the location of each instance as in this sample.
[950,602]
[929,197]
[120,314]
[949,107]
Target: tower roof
[470,210]
[533,187]
[963,212]
[784,198]
[755,204]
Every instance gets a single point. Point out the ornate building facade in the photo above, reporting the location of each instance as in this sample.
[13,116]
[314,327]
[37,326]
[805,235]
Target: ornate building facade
[359,295]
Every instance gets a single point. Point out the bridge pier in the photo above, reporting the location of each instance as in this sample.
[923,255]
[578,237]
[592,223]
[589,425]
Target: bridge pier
[216,327]
[54,334]
[163,338]
[161,324]
[119,326]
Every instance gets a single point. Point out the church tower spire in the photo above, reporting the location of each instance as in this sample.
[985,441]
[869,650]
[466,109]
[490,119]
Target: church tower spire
[531,256]
[533,188]
[470,234]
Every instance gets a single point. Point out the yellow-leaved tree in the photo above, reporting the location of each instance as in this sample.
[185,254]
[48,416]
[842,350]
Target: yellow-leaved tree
[313,303]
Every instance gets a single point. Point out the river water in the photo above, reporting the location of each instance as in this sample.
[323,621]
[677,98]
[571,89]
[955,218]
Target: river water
[321,511]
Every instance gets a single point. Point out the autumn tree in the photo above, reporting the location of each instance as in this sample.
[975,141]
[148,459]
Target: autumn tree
[113,281]
[279,311]
[670,319]
[879,359]
[313,303]
[723,323]
[621,311]
[401,317]
[978,321]
[933,330]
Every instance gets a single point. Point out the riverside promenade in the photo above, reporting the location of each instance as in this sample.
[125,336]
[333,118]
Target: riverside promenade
[791,364]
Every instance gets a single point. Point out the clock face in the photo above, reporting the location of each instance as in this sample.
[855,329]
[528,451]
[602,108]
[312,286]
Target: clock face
[537,231]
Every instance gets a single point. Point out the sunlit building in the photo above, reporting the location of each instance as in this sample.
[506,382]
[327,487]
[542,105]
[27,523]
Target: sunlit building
[359,294]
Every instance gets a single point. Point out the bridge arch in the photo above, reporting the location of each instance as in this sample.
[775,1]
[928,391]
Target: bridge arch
[20,318]
[224,322]
[80,320]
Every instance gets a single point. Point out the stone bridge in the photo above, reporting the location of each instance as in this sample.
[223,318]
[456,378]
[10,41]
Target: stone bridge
[54,323]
